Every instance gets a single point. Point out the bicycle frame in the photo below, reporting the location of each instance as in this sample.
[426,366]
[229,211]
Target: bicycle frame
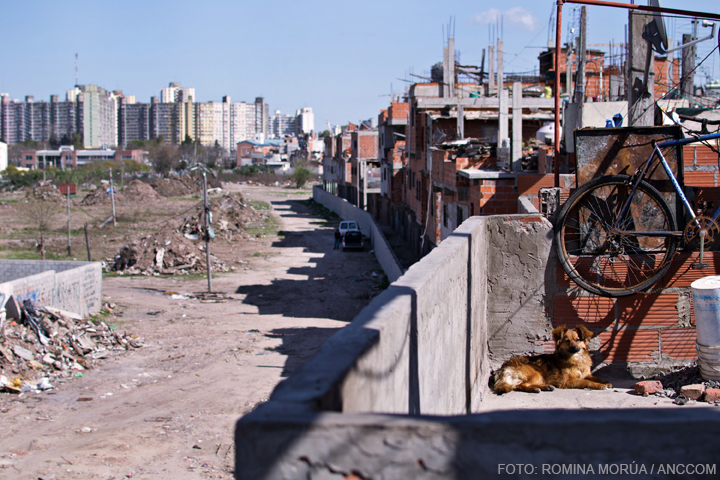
[676,185]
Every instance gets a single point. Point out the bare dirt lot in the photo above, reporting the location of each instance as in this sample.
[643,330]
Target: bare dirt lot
[167,410]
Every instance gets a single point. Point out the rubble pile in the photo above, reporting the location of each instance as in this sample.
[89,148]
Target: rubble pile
[46,191]
[229,217]
[181,250]
[101,196]
[138,191]
[231,214]
[174,186]
[685,384]
[467,147]
[166,252]
[47,343]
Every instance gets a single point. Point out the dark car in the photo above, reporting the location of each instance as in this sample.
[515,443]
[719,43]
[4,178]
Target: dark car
[353,239]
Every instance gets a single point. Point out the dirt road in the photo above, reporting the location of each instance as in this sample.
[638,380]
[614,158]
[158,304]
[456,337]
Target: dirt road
[167,410]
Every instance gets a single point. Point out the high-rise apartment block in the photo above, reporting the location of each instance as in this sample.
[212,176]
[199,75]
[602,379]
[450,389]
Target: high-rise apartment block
[111,119]
[305,121]
[40,121]
[99,117]
[174,93]
[282,125]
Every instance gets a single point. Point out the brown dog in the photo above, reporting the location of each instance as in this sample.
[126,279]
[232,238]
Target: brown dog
[568,367]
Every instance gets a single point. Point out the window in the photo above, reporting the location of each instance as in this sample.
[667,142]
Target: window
[445,215]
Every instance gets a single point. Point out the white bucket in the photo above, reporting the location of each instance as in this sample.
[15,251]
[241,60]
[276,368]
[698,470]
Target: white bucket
[706,303]
[708,361]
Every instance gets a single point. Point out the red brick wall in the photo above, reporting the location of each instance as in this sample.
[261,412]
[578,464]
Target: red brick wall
[493,197]
[368,145]
[647,327]
[398,111]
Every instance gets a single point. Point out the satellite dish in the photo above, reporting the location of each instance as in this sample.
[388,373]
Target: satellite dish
[655,31]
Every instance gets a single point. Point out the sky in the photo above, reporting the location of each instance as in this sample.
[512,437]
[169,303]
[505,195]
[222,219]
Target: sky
[343,59]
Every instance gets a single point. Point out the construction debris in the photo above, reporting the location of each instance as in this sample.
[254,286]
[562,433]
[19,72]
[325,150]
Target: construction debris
[685,384]
[46,191]
[48,343]
[165,252]
[181,250]
[467,147]
[134,193]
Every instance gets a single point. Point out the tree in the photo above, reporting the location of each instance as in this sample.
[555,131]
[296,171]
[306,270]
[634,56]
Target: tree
[326,133]
[53,142]
[136,144]
[300,176]
[40,213]
[77,141]
[164,158]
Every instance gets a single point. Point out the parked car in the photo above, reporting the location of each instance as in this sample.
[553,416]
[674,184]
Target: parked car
[353,239]
[347,226]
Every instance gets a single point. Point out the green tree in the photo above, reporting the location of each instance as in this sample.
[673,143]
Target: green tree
[136,144]
[300,176]
[53,142]
[326,133]
[77,141]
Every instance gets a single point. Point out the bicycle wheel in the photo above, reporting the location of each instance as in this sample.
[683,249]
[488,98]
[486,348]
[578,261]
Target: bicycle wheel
[603,261]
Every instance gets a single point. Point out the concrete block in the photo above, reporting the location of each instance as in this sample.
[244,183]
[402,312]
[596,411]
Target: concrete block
[648,387]
[693,392]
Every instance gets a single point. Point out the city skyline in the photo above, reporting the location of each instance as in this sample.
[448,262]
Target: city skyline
[342,59]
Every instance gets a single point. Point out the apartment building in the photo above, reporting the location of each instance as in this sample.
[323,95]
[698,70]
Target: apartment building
[133,121]
[392,124]
[99,117]
[39,120]
[174,93]
[305,121]
[281,125]
[112,119]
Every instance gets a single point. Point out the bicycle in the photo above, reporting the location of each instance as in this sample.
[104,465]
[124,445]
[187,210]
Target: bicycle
[616,235]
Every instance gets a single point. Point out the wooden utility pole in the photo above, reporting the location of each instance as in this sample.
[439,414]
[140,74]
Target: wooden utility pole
[112,198]
[641,103]
[206,210]
[68,220]
[87,243]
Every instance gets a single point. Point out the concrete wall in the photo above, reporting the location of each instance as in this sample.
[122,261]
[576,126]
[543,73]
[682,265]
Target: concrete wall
[423,350]
[75,286]
[14,269]
[347,211]
[277,442]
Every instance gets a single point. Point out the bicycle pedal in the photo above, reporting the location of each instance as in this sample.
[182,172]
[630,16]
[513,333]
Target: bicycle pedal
[700,266]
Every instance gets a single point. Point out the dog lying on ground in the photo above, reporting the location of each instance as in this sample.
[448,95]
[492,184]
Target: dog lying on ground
[568,367]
